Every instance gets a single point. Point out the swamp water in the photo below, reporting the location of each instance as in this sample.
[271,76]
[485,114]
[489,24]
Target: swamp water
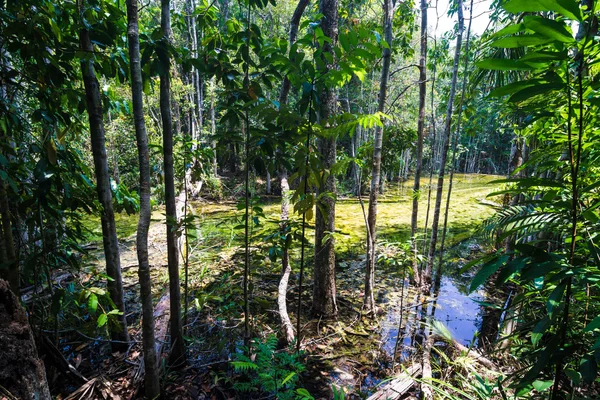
[216,240]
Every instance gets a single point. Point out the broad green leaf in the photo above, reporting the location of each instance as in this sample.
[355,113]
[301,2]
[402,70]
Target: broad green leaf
[533,91]
[549,28]
[588,368]
[513,42]
[509,30]
[541,56]
[513,87]
[92,303]
[540,386]
[502,64]
[568,8]
[102,320]
[573,375]
[593,325]
[555,298]
[487,270]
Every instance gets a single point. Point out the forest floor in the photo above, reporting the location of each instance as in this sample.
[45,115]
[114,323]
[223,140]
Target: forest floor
[353,352]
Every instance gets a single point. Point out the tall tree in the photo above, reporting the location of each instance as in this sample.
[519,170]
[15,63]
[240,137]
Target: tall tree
[177,355]
[438,276]
[107,217]
[369,300]
[444,152]
[151,378]
[420,127]
[324,290]
[286,324]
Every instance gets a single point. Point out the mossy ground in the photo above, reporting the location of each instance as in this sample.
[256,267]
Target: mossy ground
[216,266]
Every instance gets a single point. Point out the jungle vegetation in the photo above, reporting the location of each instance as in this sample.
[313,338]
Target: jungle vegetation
[299,200]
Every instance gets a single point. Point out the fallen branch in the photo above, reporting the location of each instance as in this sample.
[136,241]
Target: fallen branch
[470,352]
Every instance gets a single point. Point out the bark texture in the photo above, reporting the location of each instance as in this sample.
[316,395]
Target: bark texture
[9,256]
[107,217]
[22,373]
[444,153]
[151,378]
[324,291]
[294,24]
[420,127]
[369,300]
[177,353]
[286,324]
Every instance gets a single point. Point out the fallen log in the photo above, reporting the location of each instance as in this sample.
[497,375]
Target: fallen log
[470,352]
[427,375]
[398,386]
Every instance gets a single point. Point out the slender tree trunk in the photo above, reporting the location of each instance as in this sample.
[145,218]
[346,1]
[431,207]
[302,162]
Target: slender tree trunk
[294,24]
[107,217]
[285,193]
[286,324]
[12,268]
[213,126]
[444,153]
[151,378]
[420,130]
[438,276]
[177,355]
[324,289]
[369,300]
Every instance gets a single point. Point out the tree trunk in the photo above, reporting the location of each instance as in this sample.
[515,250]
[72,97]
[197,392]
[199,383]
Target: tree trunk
[286,324]
[12,268]
[294,24]
[151,378]
[420,124]
[177,354]
[376,176]
[285,193]
[438,276]
[324,290]
[444,153]
[107,217]
[213,127]
[22,373]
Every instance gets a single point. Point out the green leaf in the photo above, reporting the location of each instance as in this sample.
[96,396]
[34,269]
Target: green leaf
[595,324]
[441,330]
[540,386]
[540,56]
[509,30]
[588,368]
[573,375]
[502,64]
[533,91]
[513,42]
[102,320]
[568,8]
[539,330]
[92,303]
[487,270]
[287,378]
[555,298]
[513,87]
[549,28]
